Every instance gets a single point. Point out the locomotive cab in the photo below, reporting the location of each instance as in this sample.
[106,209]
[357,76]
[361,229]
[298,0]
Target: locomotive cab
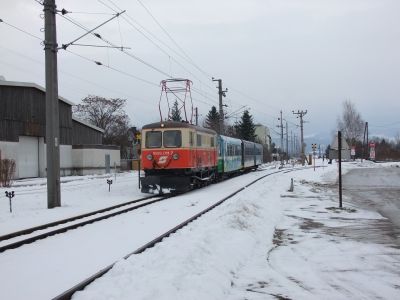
[176,155]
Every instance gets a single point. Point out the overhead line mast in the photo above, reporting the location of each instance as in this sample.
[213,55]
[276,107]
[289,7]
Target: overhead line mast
[301,114]
[52,117]
[221,93]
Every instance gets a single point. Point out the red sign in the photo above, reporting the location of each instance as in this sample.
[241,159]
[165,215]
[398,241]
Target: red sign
[372,150]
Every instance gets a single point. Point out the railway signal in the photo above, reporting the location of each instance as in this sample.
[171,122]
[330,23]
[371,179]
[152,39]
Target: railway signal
[10,195]
[109,182]
[314,149]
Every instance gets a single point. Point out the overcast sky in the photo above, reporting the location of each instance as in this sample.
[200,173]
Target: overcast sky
[272,55]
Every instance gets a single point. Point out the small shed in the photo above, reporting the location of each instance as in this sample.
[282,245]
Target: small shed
[334,149]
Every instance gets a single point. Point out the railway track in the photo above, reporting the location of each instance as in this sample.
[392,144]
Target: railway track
[19,238]
[30,235]
[80,286]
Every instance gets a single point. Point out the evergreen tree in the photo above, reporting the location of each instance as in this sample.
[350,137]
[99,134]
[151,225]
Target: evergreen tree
[212,119]
[175,112]
[246,128]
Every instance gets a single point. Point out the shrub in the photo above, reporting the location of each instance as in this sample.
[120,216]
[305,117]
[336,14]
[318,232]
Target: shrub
[7,171]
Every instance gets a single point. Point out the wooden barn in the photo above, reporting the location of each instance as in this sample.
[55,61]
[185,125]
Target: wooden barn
[23,131]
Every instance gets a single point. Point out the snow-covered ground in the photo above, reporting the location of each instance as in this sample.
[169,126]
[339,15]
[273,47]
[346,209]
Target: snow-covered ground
[265,243]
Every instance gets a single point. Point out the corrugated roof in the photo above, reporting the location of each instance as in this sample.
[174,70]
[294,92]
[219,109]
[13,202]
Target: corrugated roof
[36,86]
[32,85]
[87,124]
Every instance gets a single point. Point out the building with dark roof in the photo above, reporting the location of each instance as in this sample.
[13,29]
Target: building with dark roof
[23,132]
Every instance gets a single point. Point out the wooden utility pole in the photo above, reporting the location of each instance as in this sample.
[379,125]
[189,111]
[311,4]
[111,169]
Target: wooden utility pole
[281,127]
[340,166]
[52,117]
[301,114]
[365,150]
[221,94]
[287,142]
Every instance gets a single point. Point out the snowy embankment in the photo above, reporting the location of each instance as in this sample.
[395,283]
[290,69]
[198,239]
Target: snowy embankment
[79,194]
[266,243]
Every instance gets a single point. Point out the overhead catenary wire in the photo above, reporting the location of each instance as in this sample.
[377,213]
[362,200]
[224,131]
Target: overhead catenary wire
[202,93]
[19,29]
[119,48]
[195,90]
[64,46]
[172,39]
[83,57]
[97,62]
[113,68]
[131,20]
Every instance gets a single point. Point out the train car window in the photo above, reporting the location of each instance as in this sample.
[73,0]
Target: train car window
[153,139]
[248,150]
[238,150]
[212,142]
[191,138]
[172,138]
[199,140]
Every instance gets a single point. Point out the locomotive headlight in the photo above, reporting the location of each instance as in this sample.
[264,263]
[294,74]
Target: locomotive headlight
[149,157]
[175,156]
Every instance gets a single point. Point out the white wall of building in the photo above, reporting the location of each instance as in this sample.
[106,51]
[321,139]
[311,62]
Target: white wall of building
[90,160]
[262,132]
[72,161]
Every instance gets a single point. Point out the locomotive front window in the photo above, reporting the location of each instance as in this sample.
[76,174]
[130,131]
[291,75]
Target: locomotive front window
[172,139]
[153,139]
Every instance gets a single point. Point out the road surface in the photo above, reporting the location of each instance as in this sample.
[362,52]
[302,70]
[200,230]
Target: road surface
[377,189]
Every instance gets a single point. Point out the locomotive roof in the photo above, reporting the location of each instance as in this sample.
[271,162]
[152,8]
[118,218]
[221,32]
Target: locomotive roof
[175,124]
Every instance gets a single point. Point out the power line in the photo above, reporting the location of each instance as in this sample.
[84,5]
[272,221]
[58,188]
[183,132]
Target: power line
[201,93]
[171,38]
[64,46]
[119,48]
[129,20]
[386,126]
[83,57]
[112,68]
[97,63]
[21,30]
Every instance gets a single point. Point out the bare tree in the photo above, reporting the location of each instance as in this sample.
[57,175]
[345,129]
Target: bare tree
[350,123]
[108,114]
[397,139]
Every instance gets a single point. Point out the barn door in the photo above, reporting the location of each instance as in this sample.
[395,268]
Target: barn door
[28,157]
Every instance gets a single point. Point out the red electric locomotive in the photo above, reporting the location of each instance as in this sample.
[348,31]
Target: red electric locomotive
[177,156]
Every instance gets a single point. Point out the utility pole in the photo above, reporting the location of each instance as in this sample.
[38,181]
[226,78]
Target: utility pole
[340,167]
[365,146]
[52,118]
[221,94]
[287,142]
[281,127]
[291,143]
[301,114]
[196,115]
